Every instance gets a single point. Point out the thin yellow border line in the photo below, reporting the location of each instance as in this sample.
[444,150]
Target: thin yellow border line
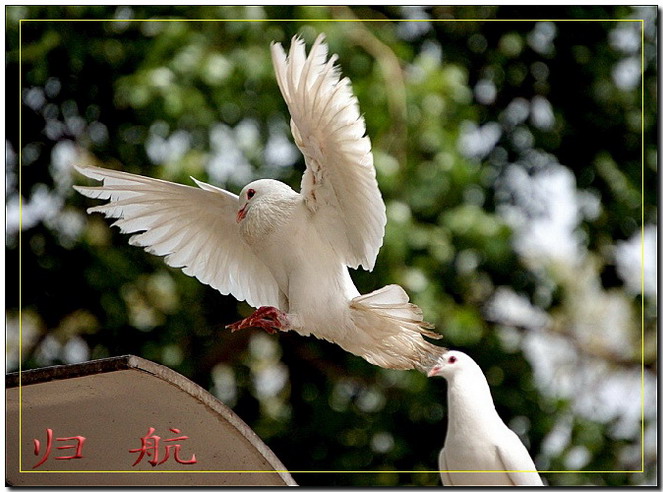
[20,358]
[20,246]
[330,471]
[333,20]
[642,244]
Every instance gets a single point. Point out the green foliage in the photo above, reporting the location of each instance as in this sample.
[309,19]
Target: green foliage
[180,98]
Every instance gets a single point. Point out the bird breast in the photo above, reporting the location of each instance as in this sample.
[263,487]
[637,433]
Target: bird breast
[275,229]
[303,263]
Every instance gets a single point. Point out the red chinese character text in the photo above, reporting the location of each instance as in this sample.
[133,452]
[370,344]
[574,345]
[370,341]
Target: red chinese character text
[49,442]
[150,447]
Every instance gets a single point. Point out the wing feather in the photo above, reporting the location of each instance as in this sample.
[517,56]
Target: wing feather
[193,228]
[339,184]
[444,469]
[515,458]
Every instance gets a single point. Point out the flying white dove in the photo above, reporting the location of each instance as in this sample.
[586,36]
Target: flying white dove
[477,438]
[284,252]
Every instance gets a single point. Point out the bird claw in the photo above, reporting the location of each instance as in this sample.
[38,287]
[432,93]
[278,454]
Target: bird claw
[268,318]
[269,329]
[238,325]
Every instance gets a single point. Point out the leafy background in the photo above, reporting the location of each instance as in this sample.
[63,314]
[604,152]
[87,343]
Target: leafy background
[520,200]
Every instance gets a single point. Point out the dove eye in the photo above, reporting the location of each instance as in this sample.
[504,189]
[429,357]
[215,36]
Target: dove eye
[250,193]
[452,359]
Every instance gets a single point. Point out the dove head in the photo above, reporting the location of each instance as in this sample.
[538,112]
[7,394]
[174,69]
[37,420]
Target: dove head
[261,192]
[452,363]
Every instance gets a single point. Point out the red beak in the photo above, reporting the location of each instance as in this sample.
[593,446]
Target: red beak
[434,371]
[241,214]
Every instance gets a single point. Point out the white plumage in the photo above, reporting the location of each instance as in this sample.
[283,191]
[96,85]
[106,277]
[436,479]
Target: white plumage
[287,252]
[477,438]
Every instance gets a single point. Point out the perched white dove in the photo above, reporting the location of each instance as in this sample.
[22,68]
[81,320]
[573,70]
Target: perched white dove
[284,252]
[477,438]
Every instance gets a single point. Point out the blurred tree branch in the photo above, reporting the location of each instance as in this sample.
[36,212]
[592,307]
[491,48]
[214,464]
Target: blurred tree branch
[590,350]
[394,81]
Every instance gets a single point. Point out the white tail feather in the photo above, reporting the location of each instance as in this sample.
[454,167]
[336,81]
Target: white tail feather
[394,328]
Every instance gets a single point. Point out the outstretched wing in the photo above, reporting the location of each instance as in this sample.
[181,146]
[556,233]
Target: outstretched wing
[193,228]
[339,184]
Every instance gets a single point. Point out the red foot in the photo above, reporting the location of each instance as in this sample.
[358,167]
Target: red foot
[268,318]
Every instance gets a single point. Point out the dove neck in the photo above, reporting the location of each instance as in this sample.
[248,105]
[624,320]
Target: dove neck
[470,403]
[267,215]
